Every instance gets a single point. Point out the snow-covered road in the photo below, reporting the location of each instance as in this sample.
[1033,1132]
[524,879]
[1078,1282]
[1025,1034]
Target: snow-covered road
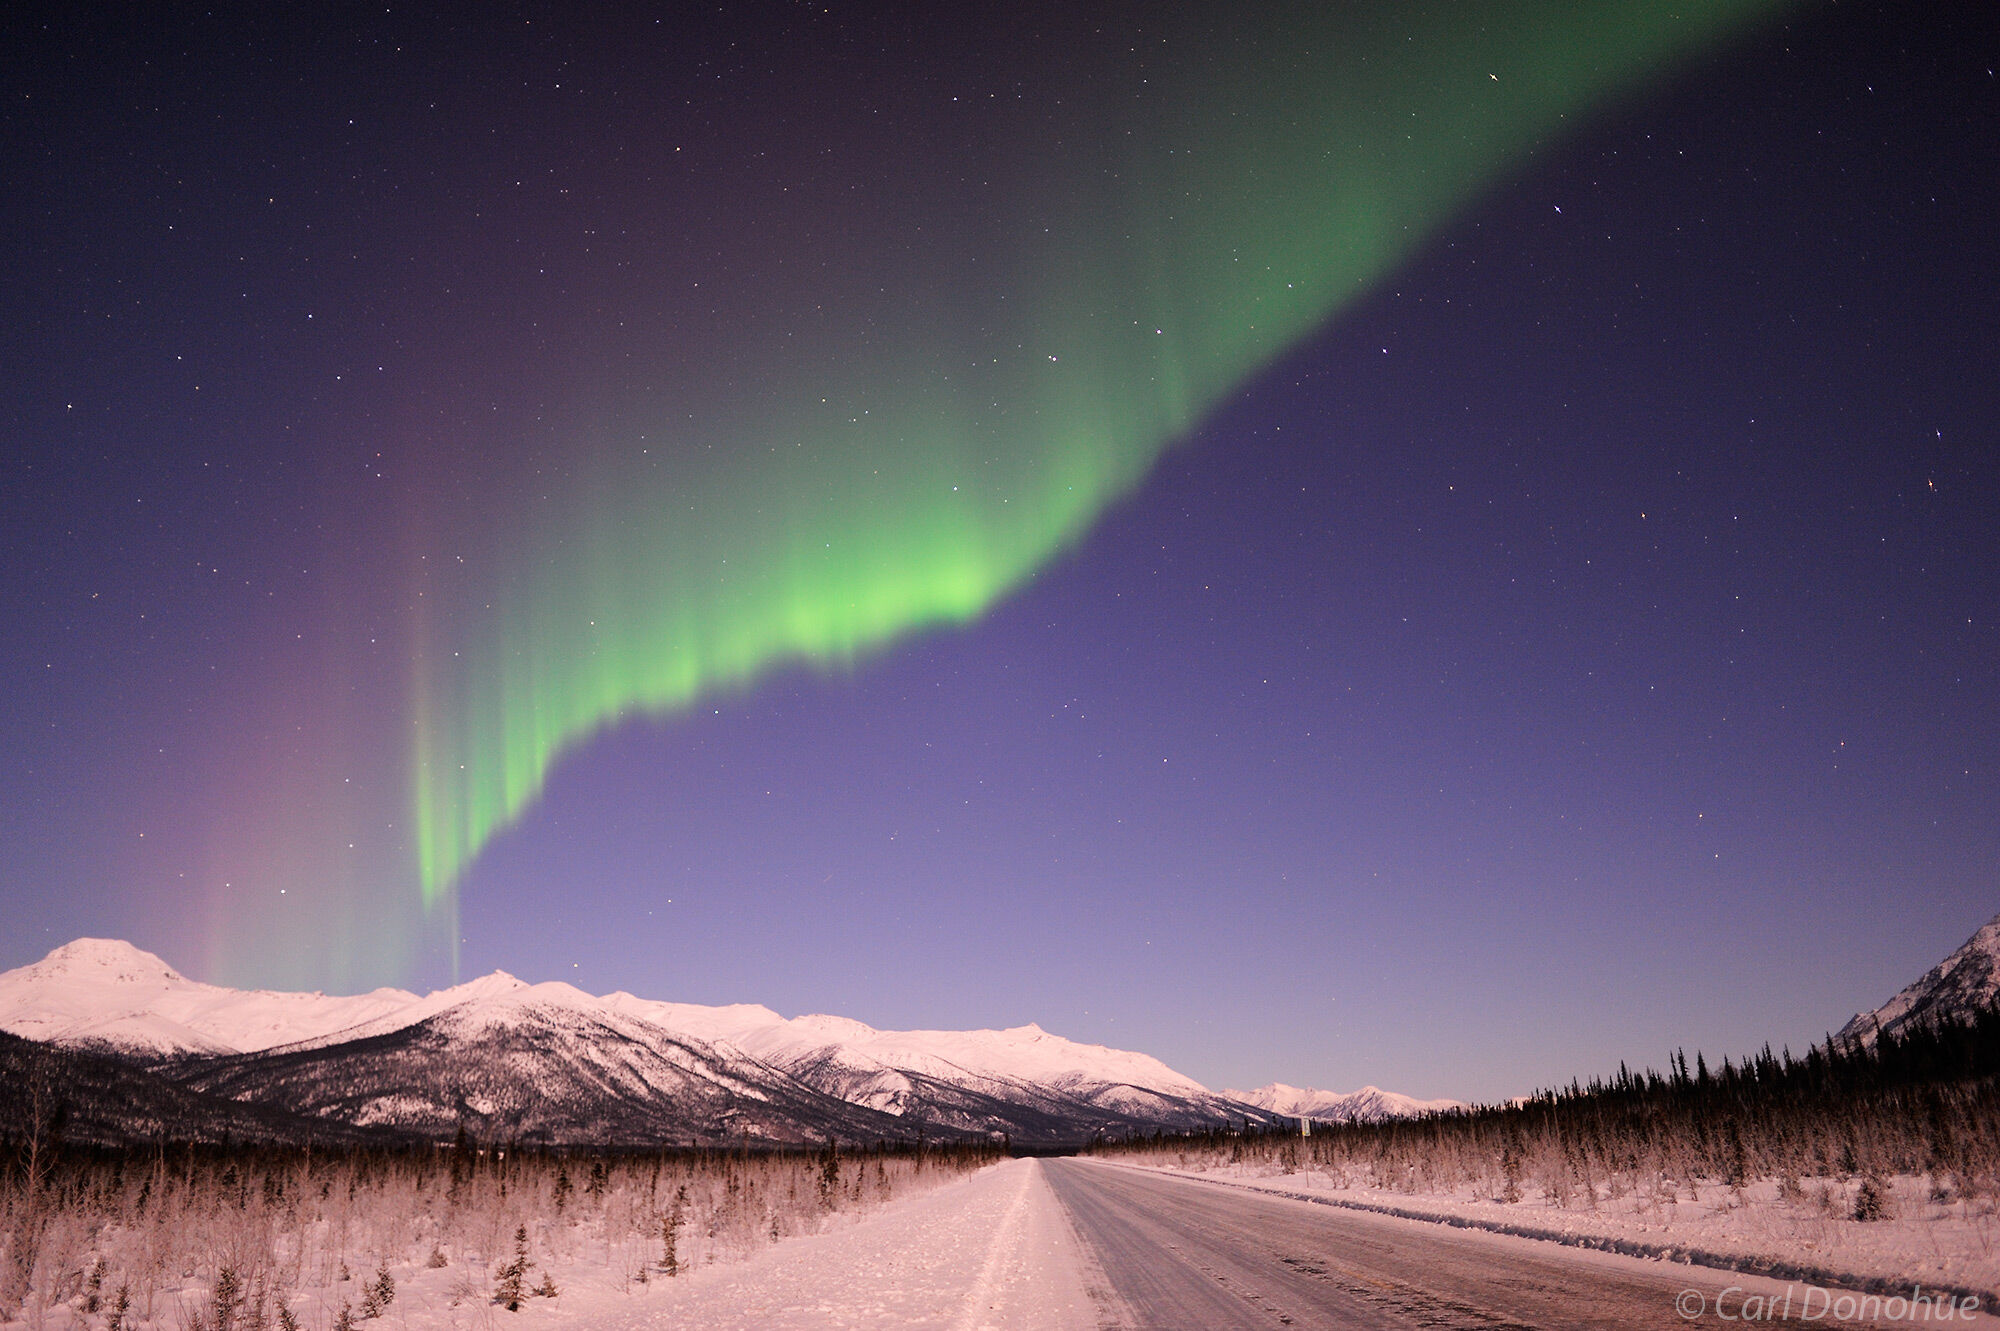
[1181,1253]
[992,1253]
[1073,1245]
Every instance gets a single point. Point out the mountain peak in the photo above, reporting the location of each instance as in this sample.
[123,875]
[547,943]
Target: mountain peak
[1966,982]
[104,960]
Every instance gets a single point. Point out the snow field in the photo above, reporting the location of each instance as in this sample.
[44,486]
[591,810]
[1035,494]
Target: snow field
[193,1241]
[993,1252]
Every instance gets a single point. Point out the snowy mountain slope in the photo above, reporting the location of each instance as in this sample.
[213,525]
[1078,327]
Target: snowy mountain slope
[839,1048]
[1367,1105]
[101,992]
[1965,982]
[549,1062]
[534,1068]
[952,1100]
[97,1099]
[900,1070]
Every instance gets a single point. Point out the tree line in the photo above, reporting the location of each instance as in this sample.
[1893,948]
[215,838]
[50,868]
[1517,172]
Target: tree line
[1923,1101]
[225,1237]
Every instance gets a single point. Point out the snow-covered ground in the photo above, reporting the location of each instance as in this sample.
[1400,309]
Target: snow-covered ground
[1919,1238]
[992,1251]
[987,1250]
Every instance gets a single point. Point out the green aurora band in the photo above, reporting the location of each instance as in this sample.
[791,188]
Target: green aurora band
[920,428]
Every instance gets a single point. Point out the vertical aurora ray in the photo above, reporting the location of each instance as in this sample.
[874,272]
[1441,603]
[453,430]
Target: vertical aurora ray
[915,427]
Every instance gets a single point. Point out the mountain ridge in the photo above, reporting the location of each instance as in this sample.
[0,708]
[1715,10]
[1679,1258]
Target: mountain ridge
[1964,983]
[107,993]
[550,1063]
[1370,1104]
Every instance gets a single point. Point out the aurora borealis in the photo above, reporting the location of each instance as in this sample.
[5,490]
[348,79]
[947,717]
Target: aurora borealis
[930,420]
[1108,516]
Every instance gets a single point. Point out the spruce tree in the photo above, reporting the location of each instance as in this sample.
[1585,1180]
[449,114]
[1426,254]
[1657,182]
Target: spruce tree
[510,1287]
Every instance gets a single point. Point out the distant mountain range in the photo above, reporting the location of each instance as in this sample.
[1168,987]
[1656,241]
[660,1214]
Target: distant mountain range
[135,1050]
[1964,983]
[548,1063]
[1367,1105]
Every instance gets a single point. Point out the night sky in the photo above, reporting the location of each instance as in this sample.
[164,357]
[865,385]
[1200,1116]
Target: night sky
[1439,546]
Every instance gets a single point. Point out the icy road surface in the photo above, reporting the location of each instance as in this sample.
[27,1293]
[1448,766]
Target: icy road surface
[1181,1255]
[992,1253]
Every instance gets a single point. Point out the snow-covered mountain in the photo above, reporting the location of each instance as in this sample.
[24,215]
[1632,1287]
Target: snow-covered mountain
[1367,1105]
[108,994]
[549,1062]
[533,1063]
[1964,983]
[99,1099]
